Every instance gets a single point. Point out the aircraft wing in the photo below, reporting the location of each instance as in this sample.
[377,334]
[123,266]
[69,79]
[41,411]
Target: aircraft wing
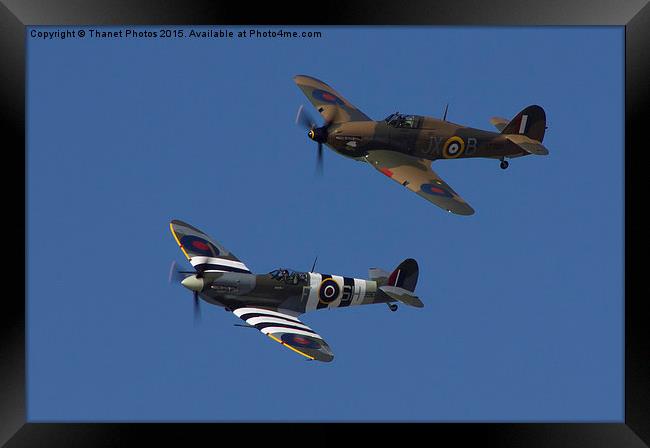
[329,103]
[204,253]
[499,122]
[288,331]
[417,175]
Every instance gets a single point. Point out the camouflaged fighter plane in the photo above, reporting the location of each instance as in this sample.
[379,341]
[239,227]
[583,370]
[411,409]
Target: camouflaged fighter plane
[272,302]
[403,146]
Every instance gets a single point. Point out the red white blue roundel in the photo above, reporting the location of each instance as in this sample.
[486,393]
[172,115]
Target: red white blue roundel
[199,246]
[298,340]
[436,190]
[328,291]
[326,97]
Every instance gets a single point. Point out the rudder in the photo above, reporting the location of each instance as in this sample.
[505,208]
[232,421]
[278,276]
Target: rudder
[405,275]
[530,122]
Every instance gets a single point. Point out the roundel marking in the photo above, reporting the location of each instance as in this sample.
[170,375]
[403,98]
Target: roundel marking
[299,341]
[435,190]
[454,147]
[199,246]
[328,291]
[327,97]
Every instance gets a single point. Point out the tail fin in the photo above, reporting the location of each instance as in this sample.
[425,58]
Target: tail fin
[527,129]
[400,284]
[530,122]
[405,275]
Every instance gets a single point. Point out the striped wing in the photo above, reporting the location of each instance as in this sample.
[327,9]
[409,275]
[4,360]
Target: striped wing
[288,331]
[204,253]
[417,176]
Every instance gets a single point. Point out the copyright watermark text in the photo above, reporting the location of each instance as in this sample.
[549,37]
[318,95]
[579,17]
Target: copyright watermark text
[174,33]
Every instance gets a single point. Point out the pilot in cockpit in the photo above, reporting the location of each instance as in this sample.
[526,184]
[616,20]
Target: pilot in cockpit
[398,120]
[289,276]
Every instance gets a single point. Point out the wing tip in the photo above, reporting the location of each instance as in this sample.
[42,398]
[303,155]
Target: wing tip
[464,212]
[323,357]
[317,355]
[178,222]
[297,77]
[306,79]
[178,241]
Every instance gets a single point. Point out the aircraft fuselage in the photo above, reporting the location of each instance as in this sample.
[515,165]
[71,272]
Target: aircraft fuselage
[298,292]
[429,138]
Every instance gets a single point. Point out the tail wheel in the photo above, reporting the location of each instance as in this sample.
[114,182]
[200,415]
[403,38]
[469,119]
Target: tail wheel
[504,164]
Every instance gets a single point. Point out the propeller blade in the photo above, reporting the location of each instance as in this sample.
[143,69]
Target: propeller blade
[304,119]
[176,275]
[197,309]
[319,160]
[172,270]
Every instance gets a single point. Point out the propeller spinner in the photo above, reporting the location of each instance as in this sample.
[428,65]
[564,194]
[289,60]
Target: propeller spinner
[319,135]
[192,281]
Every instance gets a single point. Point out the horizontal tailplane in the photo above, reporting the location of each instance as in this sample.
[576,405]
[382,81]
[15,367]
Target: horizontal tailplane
[400,284]
[402,295]
[528,144]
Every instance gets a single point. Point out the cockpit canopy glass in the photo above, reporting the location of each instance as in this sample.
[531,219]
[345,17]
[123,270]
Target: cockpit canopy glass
[398,120]
[289,276]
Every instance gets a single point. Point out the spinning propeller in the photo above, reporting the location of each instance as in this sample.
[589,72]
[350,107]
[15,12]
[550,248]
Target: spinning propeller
[192,280]
[319,135]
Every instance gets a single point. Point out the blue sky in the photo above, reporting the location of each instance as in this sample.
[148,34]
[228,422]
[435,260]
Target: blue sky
[523,317]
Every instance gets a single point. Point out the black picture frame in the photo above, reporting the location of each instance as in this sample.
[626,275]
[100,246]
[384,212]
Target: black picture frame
[15,15]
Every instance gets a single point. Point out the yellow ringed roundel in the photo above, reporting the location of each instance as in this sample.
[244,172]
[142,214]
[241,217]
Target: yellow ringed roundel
[454,147]
[328,291]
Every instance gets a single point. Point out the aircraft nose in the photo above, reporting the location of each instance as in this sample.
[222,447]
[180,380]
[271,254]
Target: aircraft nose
[193,283]
[319,134]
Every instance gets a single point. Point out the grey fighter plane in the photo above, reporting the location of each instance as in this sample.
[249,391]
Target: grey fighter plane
[272,302]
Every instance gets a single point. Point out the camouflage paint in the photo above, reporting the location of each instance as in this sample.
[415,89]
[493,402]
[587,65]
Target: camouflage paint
[404,147]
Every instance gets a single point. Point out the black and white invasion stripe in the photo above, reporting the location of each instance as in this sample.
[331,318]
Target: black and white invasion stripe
[269,322]
[218,264]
